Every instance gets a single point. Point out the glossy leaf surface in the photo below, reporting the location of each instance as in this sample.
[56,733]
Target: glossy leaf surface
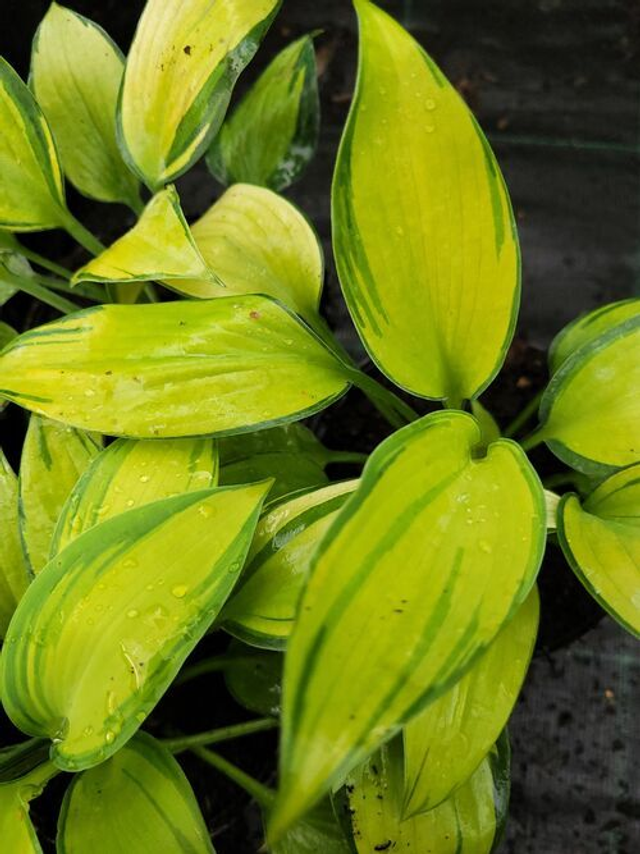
[76,71]
[470,822]
[131,474]
[262,610]
[424,236]
[14,577]
[446,743]
[433,553]
[586,329]
[158,246]
[183,64]
[173,369]
[272,135]
[590,412]
[137,801]
[601,541]
[104,629]
[258,243]
[32,189]
[53,458]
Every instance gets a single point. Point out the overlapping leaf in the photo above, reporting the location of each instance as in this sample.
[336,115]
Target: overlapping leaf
[589,327]
[273,133]
[53,458]
[17,832]
[434,552]
[103,630]
[131,474]
[257,242]
[76,71]
[262,610]
[32,189]
[14,577]
[184,61]
[158,246]
[424,236]
[137,801]
[601,541]
[445,744]
[470,822]
[590,412]
[173,369]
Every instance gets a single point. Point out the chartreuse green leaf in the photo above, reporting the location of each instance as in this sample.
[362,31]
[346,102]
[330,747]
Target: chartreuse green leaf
[174,369]
[601,541]
[446,742]
[137,801]
[424,235]
[272,135]
[257,242]
[262,610]
[17,832]
[32,188]
[53,458]
[431,556]
[76,71]
[470,822]
[488,424]
[590,412]
[587,328]
[133,473]
[103,630]
[183,64]
[158,246]
[14,577]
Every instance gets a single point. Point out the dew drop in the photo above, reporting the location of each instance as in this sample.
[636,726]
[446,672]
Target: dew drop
[109,736]
[430,104]
[179,591]
[132,613]
[145,478]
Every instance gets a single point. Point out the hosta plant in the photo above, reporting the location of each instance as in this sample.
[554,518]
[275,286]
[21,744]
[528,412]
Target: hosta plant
[167,489]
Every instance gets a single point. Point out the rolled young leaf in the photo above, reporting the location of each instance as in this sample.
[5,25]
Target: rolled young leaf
[424,235]
[76,71]
[104,629]
[258,243]
[32,188]
[272,135]
[470,822]
[445,744]
[590,412]
[138,801]
[53,458]
[585,329]
[601,541]
[14,577]
[131,474]
[173,369]
[158,246]
[262,610]
[430,557]
[183,64]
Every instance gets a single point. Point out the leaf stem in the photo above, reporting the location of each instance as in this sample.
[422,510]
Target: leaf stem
[394,409]
[524,416]
[533,439]
[259,792]
[83,289]
[33,288]
[346,457]
[215,736]
[213,665]
[81,234]
[563,478]
[43,262]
